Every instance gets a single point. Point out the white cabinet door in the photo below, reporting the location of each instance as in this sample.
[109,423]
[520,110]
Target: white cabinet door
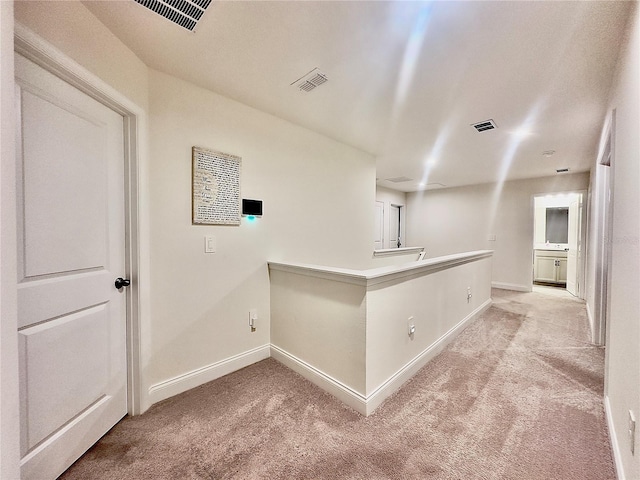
[561,270]
[545,269]
[71,318]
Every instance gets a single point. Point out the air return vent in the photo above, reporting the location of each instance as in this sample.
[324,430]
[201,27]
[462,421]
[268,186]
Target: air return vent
[399,179]
[185,13]
[310,81]
[562,170]
[484,126]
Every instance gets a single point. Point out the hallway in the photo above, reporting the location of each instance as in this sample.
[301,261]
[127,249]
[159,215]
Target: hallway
[517,395]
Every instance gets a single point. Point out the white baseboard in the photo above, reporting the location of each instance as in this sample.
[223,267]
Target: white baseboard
[393,383]
[615,446]
[342,392]
[195,378]
[511,286]
[364,404]
[356,400]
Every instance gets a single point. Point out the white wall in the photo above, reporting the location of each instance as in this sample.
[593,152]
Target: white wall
[9,424]
[322,322]
[318,196]
[73,29]
[622,375]
[454,220]
[436,302]
[350,336]
[393,197]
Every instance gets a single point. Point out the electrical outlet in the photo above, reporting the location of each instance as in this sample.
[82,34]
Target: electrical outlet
[253,316]
[632,432]
[411,327]
[469,295]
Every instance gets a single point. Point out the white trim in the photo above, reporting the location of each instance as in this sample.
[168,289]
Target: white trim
[9,382]
[195,378]
[38,50]
[395,381]
[388,252]
[366,404]
[511,286]
[41,52]
[615,446]
[342,392]
[592,326]
[376,276]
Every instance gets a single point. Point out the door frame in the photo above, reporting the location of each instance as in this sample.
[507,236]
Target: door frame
[382,224]
[401,225]
[582,237]
[34,48]
[603,220]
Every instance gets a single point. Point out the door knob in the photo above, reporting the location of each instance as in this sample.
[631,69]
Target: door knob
[122,282]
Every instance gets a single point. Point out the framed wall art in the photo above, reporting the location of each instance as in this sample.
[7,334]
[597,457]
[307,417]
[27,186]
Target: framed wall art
[215,187]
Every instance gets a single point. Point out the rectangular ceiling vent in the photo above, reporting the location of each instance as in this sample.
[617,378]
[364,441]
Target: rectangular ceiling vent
[311,80]
[185,13]
[562,170]
[399,179]
[484,126]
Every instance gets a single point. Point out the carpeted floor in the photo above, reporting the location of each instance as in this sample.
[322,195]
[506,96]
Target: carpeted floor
[518,395]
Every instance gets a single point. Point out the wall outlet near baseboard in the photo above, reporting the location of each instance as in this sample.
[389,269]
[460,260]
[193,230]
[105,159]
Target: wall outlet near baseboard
[469,295]
[253,316]
[411,327]
[632,431]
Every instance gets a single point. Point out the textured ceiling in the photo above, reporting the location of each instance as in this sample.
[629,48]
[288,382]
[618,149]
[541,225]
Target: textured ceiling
[407,79]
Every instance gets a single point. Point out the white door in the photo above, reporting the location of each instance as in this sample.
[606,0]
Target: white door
[378,240]
[573,239]
[71,318]
[394,227]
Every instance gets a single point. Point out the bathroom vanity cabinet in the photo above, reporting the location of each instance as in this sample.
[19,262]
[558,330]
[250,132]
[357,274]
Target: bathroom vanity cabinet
[550,266]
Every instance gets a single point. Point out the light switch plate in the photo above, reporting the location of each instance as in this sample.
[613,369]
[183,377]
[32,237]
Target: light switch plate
[209,244]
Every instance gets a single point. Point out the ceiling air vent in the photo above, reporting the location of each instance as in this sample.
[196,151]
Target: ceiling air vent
[562,170]
[399,179]
[185,13]
[311,80]
[484,126]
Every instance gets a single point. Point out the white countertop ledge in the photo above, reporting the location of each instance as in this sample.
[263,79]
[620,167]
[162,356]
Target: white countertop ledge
[374,276]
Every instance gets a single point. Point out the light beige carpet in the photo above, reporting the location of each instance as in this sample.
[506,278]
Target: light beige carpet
[518,395]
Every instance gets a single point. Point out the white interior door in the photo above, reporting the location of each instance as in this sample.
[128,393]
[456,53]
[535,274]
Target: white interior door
[378,241]
[573,240]
[394,227]
[71,318]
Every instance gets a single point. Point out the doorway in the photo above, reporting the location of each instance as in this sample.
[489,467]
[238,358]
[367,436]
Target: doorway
[558,244]
[50,86]
[378,240]
[396,225]
[601,215]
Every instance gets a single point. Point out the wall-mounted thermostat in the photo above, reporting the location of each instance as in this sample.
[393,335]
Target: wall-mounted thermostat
[251,208]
